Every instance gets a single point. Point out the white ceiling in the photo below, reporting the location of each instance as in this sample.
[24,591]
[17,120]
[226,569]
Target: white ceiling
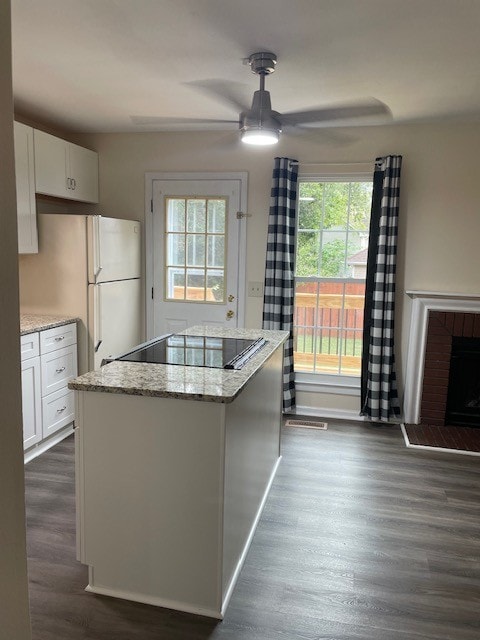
[90,65]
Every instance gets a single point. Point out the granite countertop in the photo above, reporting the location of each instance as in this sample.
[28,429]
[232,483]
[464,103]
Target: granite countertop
[185,382]
[31,322]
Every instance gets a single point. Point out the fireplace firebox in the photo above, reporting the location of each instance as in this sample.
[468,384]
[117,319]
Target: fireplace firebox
[463,401]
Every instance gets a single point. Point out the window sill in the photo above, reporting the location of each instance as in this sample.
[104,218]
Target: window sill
[323,383]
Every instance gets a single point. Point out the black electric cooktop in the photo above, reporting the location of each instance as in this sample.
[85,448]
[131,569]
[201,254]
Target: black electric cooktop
[196,351]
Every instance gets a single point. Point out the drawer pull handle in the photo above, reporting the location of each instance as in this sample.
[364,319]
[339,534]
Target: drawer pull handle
[60,370]
[59,338]
[61,410]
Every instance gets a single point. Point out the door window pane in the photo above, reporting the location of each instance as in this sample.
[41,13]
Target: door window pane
[216,216]
[216,251]
[176,249]
[216,284]
[195,250]
[195,285]
[175,214]
[175,283]
[196,215]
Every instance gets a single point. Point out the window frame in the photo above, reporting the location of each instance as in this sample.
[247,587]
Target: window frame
[318,382]
[186,268]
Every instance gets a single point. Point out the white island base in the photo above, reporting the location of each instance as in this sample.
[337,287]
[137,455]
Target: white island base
[169,491]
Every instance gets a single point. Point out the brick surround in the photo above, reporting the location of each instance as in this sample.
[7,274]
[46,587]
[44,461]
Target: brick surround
[442,326]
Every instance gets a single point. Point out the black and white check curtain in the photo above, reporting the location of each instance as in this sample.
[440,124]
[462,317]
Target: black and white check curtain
[278,301]
[378,383]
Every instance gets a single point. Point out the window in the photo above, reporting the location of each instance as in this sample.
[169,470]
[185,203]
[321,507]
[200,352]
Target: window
[331,259]
[195,249]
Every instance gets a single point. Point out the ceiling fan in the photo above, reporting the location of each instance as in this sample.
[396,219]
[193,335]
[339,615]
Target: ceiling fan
[260,124]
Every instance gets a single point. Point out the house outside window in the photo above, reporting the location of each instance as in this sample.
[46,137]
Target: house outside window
[330,268]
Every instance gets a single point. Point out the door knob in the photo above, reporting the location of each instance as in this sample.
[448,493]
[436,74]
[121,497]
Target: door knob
[230,314]
[231,298]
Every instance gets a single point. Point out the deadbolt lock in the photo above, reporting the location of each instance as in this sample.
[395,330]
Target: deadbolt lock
[231,298]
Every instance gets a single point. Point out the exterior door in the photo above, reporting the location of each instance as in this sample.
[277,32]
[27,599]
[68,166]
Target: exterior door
[195,252]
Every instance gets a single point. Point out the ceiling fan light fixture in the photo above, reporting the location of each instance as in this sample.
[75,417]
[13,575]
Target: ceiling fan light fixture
[259,136]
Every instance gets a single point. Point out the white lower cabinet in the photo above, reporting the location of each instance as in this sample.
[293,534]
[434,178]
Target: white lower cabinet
[49,362]
[31,402]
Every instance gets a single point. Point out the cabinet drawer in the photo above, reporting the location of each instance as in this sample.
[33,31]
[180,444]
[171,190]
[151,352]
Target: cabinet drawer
[29,346]
[58,368]
[58,410]
[58,337]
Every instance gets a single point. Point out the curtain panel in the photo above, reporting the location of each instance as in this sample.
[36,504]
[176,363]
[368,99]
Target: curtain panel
[278,304]
[379,396]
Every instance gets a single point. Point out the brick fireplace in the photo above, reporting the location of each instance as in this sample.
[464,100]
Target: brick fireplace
[436,319]
[442,328]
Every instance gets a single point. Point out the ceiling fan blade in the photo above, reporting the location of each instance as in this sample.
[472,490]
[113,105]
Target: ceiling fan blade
[180,122]
[319,135]
[335,114]
[231,94]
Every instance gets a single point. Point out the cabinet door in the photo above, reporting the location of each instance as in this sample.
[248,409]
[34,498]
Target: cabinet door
[83,173]
[25,180]
[31,402]
[51,165]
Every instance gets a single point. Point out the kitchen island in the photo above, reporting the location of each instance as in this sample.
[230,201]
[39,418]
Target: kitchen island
[174,464]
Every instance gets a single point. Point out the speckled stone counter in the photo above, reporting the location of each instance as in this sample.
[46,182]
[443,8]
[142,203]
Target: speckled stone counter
[185,382]
[29,322]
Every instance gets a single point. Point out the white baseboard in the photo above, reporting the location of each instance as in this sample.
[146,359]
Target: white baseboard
[156,602]
[335,414]
[41,447]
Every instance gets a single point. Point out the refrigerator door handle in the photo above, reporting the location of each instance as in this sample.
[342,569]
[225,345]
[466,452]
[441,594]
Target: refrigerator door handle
[98,249]
[98,317]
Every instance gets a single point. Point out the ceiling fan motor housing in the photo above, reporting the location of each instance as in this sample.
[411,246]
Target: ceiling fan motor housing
[262,63]
[260,116]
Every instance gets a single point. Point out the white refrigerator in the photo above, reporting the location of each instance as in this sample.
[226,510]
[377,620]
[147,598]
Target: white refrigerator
[88,266]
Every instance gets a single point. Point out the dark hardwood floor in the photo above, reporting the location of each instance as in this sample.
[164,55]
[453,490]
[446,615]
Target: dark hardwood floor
[360,538]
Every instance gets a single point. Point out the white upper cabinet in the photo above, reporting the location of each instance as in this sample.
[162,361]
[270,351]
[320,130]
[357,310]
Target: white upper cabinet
[83,170]
[25,180]
[64,169]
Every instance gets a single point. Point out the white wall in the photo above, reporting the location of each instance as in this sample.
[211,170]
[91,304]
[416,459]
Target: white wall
[439,219]
[14,614]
